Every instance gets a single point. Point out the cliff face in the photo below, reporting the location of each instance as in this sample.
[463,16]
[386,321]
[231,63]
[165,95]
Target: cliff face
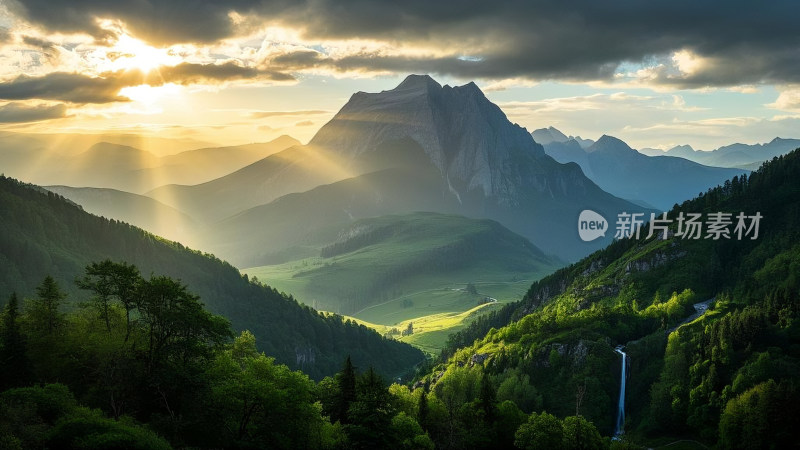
[477,150]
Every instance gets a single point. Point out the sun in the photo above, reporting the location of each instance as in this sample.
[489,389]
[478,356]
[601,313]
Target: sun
[130,53]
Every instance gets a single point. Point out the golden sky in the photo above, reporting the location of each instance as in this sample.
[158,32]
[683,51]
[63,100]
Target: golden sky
[655,74]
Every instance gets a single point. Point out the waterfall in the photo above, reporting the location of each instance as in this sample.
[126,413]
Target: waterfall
[621,404]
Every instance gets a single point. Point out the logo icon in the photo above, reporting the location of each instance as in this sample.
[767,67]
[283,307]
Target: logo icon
[591,225]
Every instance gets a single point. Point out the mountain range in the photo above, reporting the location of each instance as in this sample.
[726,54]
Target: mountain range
[418,147]
[744,156]
[139,210]
[124,167]
[550,135]
[660,181]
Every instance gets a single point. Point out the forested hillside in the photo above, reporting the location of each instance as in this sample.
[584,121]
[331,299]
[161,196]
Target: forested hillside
[42,234]
[728,377]
[142,365]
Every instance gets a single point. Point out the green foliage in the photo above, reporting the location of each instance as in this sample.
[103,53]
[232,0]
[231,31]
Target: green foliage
[580,434]
[541,432]
[89,430]
[162,359]
[514,385]
[409,434]
[764,416]
[260,401]
[50,417]
[370,415]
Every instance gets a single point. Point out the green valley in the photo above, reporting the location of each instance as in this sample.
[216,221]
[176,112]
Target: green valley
[421,268]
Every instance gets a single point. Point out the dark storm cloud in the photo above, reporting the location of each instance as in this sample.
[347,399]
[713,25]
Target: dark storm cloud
[68,87]
[158,21]
[37,42]
[47,48]
[190,73]
[80,88]
[19,113]
[748,42]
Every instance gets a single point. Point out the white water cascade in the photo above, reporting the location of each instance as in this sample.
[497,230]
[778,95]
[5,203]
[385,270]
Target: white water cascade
[621,404]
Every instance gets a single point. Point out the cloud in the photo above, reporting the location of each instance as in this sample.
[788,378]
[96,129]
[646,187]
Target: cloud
[19,113]
[191,73]
[678,43]
[265,114]
[788,99]
[105,88]
[68,87]
[160,22]
[617,114]
[304,123]
[49,49]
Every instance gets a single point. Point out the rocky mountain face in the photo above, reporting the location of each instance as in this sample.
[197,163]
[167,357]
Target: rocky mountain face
[467,138]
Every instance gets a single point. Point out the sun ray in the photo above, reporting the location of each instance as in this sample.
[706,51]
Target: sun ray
[129,53]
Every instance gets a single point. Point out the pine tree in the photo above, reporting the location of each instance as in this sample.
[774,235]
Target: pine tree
[487,399]
[422,410]
[14,364]
[370,416]
[346,382]
[44,308]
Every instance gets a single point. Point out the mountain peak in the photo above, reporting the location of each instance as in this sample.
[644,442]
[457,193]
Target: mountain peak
[464,135]
[548,135]
[610,144]
[417,82]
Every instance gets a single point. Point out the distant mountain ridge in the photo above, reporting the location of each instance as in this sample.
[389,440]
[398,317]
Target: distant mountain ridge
[550,135]
[661,181]
[748,156]
[125,167]
[143,212]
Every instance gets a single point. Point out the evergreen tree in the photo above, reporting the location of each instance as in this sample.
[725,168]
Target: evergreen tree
[487,399]
[14,364]
[44,314]
[346,382]
[371,414]
[422,409]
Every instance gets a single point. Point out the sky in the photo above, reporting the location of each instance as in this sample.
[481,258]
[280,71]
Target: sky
[655,73]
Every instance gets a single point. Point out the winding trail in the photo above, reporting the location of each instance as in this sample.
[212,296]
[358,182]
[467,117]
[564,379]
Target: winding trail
[699,310]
